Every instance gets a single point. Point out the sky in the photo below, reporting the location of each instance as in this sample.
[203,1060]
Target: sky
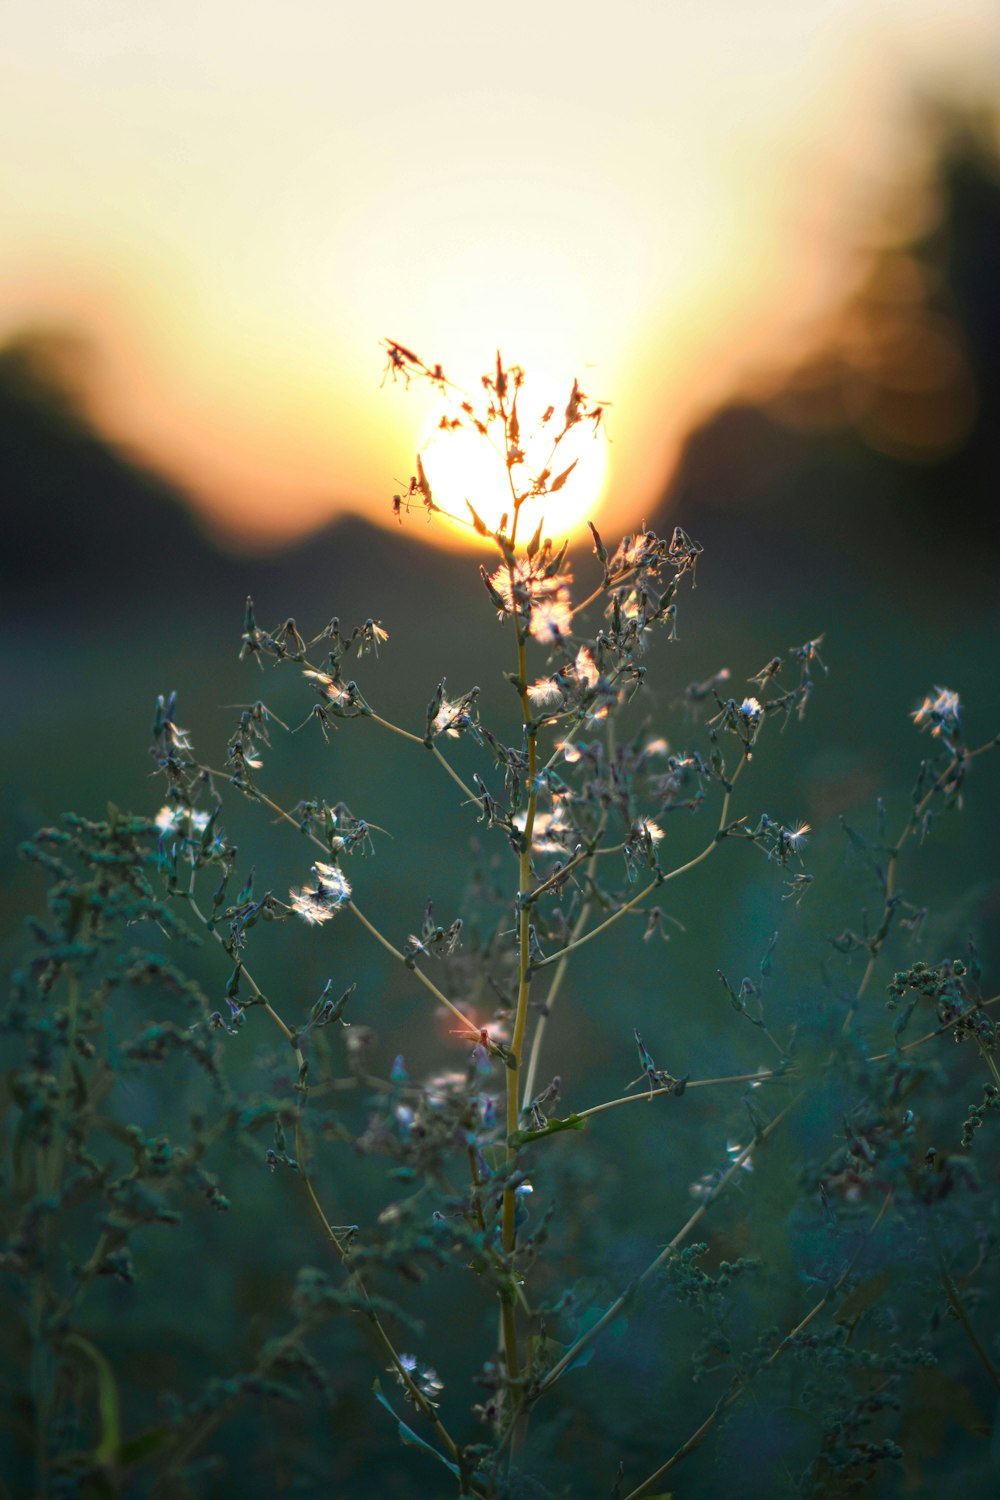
[230,205]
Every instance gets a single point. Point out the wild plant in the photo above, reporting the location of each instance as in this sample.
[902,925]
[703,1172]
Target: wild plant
[847,1293]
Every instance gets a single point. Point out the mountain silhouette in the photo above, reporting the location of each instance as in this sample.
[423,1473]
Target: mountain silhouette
[92,533]
[879,453]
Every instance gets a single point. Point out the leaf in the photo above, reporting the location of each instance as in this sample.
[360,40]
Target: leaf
[478,522]
[407,1434]
[106,1452]
[561,479]
[584,1324]
[862,1297]
[522,1137]
[135,1449]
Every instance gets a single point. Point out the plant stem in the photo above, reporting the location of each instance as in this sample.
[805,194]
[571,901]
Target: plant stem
[356,912]
[889,886]
[618,1306]
[512,1074]
[428,984]
[692,1083]
[769,1075]
[628,906]
[416,739]
[958,1308]
[547,1004]
[416,1395]
[700,1433]
[990,1062]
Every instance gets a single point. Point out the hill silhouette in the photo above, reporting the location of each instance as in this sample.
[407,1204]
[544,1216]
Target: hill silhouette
[83,520]
[91,532]
[880,453]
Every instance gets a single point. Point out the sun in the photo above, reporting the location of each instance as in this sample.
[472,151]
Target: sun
[466,468]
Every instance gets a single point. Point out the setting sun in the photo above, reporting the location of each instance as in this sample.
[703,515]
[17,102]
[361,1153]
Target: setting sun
[466,466]
[652,202]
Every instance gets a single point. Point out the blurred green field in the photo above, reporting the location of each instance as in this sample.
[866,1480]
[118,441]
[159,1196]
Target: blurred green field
[77,738]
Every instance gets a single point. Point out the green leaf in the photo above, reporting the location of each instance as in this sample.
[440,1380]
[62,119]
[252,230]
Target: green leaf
[584,1324]
[862,1297]
[407,1434]
[106,1451]
[522,1137]
[134,1449]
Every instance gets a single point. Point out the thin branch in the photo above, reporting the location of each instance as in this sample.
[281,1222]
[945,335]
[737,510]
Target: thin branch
[424,1406]
[429,985]
[692,1083]
[352,906]
[700,1433]
[621,911]
[546,1011]
[619,1304]
[417,740]
[912,822]
[958,1308]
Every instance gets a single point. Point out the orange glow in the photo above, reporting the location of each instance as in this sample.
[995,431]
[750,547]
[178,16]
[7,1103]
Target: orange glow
[465,467]
[234,215]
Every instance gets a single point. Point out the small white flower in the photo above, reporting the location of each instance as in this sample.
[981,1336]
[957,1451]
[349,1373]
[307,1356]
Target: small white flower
[545,693]
[338,695]
[443,721]
[318,905]
[751,710]
[551,618]
[586,668]
[529,589]
[181,820]
[938,713]
[180,738]
[372,636]
[426,1380]
[551,832]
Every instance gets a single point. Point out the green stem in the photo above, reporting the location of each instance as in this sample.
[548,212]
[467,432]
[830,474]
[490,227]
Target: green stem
[618,1306]
[546,1013]
[512,1074]
[692,1083]
[558,977]
[416,1395]
[594,932]
[698,1436]
[416,739]
[891,868]
[428,984]
[990,1062]
[628,906]
[958,1308]
[356,912]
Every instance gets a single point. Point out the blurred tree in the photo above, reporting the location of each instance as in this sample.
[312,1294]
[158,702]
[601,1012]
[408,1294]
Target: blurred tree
[884,441]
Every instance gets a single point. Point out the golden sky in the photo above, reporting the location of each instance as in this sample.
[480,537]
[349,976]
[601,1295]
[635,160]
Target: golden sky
[236,201]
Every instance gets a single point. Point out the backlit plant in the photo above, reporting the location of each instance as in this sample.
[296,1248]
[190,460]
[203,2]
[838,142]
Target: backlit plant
[805,1333]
